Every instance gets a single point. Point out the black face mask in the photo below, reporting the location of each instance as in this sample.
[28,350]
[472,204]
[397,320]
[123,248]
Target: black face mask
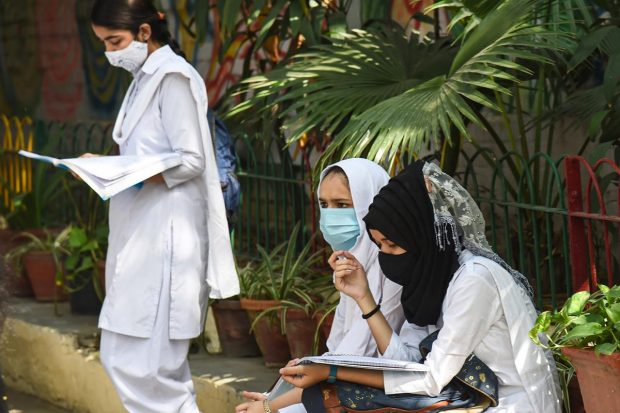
[398,268]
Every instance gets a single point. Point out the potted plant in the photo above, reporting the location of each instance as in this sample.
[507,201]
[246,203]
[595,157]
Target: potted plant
[585,334]
[41,258]
[16,284]
[280,291]
[83,280]
[232,322]
[86,248]
[27,212]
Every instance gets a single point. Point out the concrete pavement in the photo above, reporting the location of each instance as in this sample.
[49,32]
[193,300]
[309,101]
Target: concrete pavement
[21,402]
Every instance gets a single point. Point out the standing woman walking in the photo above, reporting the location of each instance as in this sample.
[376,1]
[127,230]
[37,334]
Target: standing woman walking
[169,247]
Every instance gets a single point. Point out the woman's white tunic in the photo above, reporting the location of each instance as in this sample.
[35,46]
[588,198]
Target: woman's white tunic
[485,313]
[180,225]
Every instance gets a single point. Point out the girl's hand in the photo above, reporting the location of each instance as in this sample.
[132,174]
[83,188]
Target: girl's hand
[254,396]
[349,275]
[155,179]
[250,407]
[305,375]
[84,155]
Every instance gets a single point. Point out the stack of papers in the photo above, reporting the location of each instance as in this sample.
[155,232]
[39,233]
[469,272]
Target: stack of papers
[109,175]
[363,362]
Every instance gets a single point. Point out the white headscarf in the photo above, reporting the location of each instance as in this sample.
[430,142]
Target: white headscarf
[366,178]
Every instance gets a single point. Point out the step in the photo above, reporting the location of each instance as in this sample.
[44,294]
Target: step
[48,352]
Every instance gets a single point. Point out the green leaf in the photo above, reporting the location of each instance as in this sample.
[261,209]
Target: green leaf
[583,331]
[337,25]
[612,74]
[296,15]
[71,262]
[543,321]
[588,44]
[268,22]
[575,304]
[596,122]
[605,348]
[229,14]
[499,21]
[202,20]
[613,312]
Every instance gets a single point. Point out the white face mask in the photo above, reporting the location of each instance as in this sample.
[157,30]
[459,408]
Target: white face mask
[130,58]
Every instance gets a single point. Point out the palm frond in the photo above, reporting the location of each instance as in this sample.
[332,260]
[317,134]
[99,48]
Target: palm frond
[333,82]
[424,113]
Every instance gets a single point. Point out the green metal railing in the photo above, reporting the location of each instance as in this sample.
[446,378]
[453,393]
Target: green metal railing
[63,139]
[525,208]
[276,194]
[524,201]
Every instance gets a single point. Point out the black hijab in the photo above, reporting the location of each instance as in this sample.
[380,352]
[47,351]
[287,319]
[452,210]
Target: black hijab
[403,212]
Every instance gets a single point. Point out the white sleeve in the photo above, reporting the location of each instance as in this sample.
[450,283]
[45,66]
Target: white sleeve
[359,339]
[391,307]
[405,346]
[470,308]
[337,331]
[179,116]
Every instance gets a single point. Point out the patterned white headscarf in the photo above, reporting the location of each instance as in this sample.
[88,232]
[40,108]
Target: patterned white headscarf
[454,207]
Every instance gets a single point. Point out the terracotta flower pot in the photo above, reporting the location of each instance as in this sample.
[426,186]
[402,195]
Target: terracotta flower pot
[16,284]
[300,329]
[233,329]
[271,342]
[41,269]
[599,379]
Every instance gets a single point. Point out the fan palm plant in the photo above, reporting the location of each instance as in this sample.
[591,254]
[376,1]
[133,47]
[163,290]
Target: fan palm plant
[383,96]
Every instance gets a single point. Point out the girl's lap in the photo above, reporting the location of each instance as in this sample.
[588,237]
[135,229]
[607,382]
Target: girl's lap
[344,396]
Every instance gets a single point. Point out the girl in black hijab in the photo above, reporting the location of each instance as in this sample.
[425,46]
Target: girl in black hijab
[468,313]
[403,214]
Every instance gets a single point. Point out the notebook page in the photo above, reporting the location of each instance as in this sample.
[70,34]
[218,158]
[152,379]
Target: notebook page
[371,363]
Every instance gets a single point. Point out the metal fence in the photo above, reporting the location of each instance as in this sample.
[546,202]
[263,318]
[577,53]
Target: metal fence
[276,194]
[555,230]
[15,171]
[548,218]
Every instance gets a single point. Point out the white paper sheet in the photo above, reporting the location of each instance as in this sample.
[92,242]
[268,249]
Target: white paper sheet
[109,175]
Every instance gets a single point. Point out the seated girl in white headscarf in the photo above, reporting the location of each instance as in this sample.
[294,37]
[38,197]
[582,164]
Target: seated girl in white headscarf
[345,191]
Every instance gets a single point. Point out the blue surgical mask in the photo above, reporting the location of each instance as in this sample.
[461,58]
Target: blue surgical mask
[339,227]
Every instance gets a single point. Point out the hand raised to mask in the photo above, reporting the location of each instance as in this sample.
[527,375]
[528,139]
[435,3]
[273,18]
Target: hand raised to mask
[349,275]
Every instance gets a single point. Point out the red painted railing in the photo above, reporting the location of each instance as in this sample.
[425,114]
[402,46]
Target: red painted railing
[590,224]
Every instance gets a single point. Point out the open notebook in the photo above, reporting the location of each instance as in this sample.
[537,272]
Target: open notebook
[109,175]
[345,360]
[363,362]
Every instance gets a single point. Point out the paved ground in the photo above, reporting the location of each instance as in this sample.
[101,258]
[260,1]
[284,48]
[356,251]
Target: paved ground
[216,375]
[19,402]
[240,373]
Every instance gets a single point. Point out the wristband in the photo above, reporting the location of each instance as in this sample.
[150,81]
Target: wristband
[333,370]
[372,312]
[266,407]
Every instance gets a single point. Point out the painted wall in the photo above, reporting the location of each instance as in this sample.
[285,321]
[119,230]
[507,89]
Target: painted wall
[52,66]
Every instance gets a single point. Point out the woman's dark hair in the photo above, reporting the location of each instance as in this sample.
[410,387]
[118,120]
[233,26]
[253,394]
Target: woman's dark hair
[130,15]
[336,170]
